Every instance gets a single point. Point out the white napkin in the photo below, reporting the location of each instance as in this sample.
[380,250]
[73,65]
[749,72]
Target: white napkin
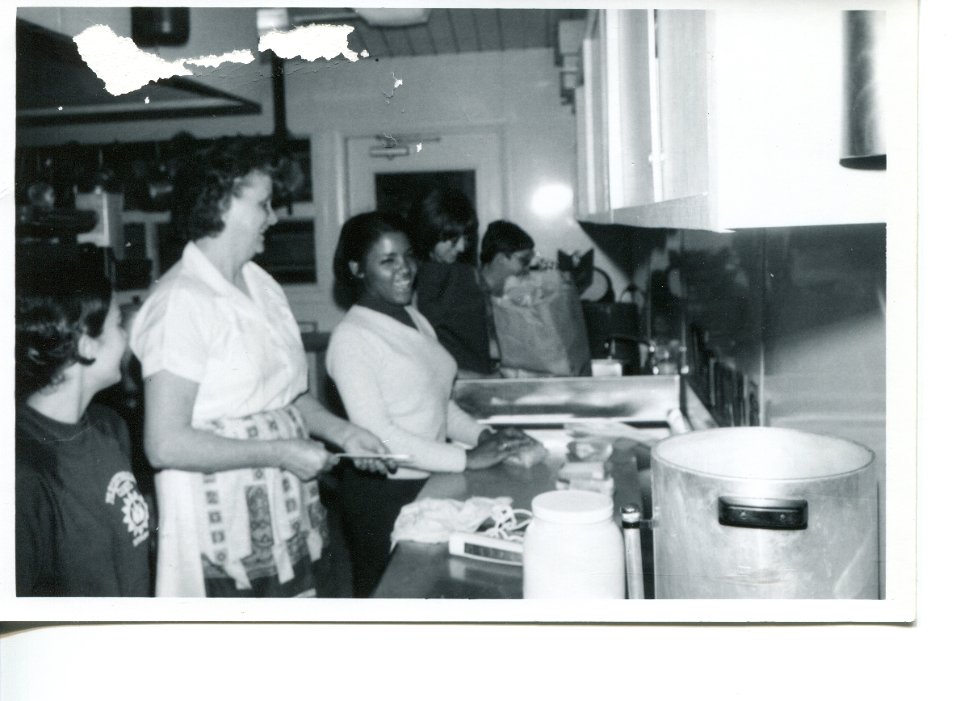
[433,520]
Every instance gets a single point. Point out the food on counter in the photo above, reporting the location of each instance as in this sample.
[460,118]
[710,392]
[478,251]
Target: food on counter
[614,430]
[583,470]
[589,450]
[601,486]
[527,455]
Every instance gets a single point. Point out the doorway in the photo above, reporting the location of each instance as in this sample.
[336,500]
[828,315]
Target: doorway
[393,178]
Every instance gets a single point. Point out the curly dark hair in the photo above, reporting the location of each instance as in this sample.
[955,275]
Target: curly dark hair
[203,187]
[357,236]
[443,215]
[52,312]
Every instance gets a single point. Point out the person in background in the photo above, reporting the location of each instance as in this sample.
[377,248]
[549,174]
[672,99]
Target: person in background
[506,251]
[450,293]
[228,416]
[395,379]
[82,524]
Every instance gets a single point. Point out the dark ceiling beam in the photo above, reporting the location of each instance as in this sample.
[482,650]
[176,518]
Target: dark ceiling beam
[453,30]
[386,42]
[404,33]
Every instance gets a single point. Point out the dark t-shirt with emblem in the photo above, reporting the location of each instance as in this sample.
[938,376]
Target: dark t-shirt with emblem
[82,525]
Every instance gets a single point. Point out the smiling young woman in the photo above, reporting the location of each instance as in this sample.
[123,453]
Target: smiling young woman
[395,379]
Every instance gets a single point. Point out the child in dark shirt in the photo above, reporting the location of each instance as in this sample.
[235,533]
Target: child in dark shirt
[82,525]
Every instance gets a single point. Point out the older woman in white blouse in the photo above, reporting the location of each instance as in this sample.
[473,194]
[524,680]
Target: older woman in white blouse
[228,419]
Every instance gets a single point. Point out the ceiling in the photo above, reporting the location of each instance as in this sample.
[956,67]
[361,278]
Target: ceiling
[55,86]
[450,31]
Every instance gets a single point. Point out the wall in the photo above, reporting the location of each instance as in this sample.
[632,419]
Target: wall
[824,336]
[515,93]
[801,312]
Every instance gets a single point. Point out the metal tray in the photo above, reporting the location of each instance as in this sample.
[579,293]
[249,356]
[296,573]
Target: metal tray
[633,399]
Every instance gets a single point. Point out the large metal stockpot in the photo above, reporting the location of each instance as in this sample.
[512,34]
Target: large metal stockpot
[764,513]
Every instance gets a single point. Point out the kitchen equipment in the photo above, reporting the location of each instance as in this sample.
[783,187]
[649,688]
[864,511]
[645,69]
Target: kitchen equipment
[488,548]
[108,209]
[666,357]
[606,367]
[399,457]
[764,513]
[678,422]
[600,288]
[613,330]
[579,268]
[572,548]
[56,86]
[556,401]
[630,517]
[864,145]
[160,26]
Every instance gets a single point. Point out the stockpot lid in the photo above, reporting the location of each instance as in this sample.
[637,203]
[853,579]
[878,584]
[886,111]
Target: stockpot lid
[762,453]
[572,506]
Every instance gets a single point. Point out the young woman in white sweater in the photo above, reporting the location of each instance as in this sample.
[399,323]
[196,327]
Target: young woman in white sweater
[395,380]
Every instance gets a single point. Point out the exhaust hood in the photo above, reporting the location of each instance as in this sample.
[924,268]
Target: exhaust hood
[55,86]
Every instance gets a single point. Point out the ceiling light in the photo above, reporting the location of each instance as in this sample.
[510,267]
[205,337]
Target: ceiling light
[392,16]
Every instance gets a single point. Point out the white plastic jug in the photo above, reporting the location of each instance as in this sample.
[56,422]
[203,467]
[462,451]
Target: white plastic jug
[572,549]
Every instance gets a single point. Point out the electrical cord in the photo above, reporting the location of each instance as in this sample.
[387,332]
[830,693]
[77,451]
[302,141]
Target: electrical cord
[508,523]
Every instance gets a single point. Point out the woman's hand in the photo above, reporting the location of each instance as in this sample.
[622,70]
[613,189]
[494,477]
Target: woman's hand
[304,458]
[359,440]
[507,439]
[350,437]
[487,454]
[493,446]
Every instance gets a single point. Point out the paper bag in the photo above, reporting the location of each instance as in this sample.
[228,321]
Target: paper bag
[540,326]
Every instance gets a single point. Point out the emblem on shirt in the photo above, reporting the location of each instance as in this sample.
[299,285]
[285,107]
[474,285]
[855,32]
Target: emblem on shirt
[136,514]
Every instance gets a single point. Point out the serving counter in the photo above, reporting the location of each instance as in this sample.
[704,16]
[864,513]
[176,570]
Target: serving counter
[418,570]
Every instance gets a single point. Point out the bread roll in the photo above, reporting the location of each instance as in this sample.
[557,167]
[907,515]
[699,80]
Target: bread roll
[527,455]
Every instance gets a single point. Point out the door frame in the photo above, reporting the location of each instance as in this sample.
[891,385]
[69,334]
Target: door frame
[479,149]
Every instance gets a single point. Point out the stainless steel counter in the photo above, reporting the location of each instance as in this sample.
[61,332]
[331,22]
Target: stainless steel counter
[636,399]
[418,570]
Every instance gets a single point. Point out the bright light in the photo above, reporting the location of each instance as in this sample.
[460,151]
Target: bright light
[551,200]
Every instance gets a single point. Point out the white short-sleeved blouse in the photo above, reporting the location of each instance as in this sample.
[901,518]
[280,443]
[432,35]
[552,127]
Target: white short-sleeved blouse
[245,353]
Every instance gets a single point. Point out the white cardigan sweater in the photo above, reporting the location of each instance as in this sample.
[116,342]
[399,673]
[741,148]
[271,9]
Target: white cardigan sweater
[396,381]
